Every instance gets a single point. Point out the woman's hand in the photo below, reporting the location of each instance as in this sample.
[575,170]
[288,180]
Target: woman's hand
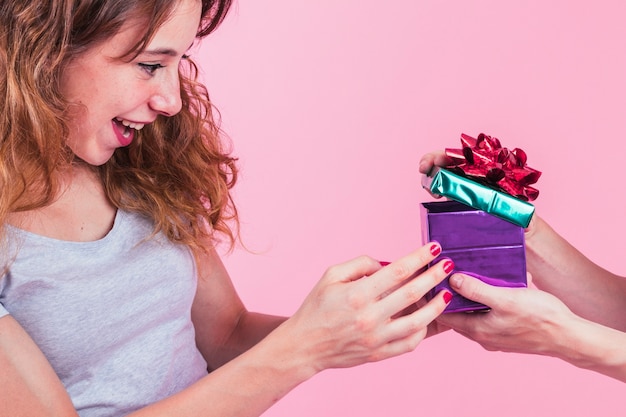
[360,311]
[523,320]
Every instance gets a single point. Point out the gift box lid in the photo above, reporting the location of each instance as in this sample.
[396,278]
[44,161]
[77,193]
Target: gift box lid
[448,184]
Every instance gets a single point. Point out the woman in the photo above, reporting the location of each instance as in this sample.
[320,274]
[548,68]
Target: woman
[114,189]
[578,314]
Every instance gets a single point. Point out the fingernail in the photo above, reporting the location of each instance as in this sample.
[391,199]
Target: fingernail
[456,280]
[435,249]
[383,263]
[448,266]
[447,297]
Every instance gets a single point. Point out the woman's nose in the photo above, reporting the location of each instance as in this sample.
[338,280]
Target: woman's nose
[166,99]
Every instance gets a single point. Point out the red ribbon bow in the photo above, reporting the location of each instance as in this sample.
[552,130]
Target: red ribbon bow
[486,161]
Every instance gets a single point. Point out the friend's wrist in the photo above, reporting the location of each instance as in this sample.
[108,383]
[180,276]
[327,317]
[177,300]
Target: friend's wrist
[589,345]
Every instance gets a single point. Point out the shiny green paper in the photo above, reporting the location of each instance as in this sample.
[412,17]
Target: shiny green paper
[448,184]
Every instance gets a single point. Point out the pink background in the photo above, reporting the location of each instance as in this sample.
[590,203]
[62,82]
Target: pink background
[330,105]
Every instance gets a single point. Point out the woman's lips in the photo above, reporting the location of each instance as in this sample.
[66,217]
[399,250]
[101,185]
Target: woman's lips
[124,134]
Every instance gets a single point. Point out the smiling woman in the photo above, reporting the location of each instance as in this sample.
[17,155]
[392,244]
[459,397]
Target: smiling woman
[115,186]
[81,89]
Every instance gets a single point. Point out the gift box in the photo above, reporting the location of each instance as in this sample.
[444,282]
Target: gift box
[482,228]
[480,244]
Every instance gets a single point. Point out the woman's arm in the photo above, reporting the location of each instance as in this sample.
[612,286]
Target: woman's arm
[28,384]
[347,319]
[224,327]
[350,317]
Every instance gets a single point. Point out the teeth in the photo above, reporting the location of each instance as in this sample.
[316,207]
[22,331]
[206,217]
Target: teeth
[136,126]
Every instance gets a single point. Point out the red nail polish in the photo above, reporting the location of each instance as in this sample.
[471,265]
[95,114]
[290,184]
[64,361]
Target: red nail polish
[448,266]
[383,263]
[435,249]
[447,297]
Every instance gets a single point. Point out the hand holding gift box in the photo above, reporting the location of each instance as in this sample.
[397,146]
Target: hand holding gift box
[482,231]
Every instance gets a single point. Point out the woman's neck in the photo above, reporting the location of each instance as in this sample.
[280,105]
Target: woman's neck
[81,212]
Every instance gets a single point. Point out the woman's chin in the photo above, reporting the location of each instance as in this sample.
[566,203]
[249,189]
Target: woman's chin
[95,158]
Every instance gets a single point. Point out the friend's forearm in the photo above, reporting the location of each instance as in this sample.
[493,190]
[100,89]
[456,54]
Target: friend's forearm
[589,290]
[589,345]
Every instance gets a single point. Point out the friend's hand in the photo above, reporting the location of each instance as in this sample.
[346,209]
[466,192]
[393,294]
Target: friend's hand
[433,159]
[358,313]
[522,320]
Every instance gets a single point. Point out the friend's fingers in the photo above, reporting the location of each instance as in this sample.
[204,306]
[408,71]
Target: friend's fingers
[474,289]
[437,158]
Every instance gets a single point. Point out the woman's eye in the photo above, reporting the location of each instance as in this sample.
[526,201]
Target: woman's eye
[151,68]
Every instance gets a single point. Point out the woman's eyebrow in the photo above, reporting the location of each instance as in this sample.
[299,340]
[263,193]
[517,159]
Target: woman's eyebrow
[163,51]
[160,51]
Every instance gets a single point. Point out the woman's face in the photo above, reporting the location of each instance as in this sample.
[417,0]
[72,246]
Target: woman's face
[115,98]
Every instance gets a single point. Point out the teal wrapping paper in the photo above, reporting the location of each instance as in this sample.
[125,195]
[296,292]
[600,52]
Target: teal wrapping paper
[448,184]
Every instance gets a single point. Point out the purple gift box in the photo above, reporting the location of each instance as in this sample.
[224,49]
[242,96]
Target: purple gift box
[480,244]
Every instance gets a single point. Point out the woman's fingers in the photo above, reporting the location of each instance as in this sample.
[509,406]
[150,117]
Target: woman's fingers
[417,322]
[352,270]
[401,335]
[359,311]
[388,279]
[382,277]
[415,288]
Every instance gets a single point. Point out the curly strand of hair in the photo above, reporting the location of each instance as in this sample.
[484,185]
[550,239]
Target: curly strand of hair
[32,44]
[178,173]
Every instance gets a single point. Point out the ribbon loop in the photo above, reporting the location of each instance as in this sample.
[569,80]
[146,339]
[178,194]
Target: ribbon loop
[484,160]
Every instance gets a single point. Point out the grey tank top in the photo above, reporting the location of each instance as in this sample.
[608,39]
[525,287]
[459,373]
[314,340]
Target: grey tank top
[112,316]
